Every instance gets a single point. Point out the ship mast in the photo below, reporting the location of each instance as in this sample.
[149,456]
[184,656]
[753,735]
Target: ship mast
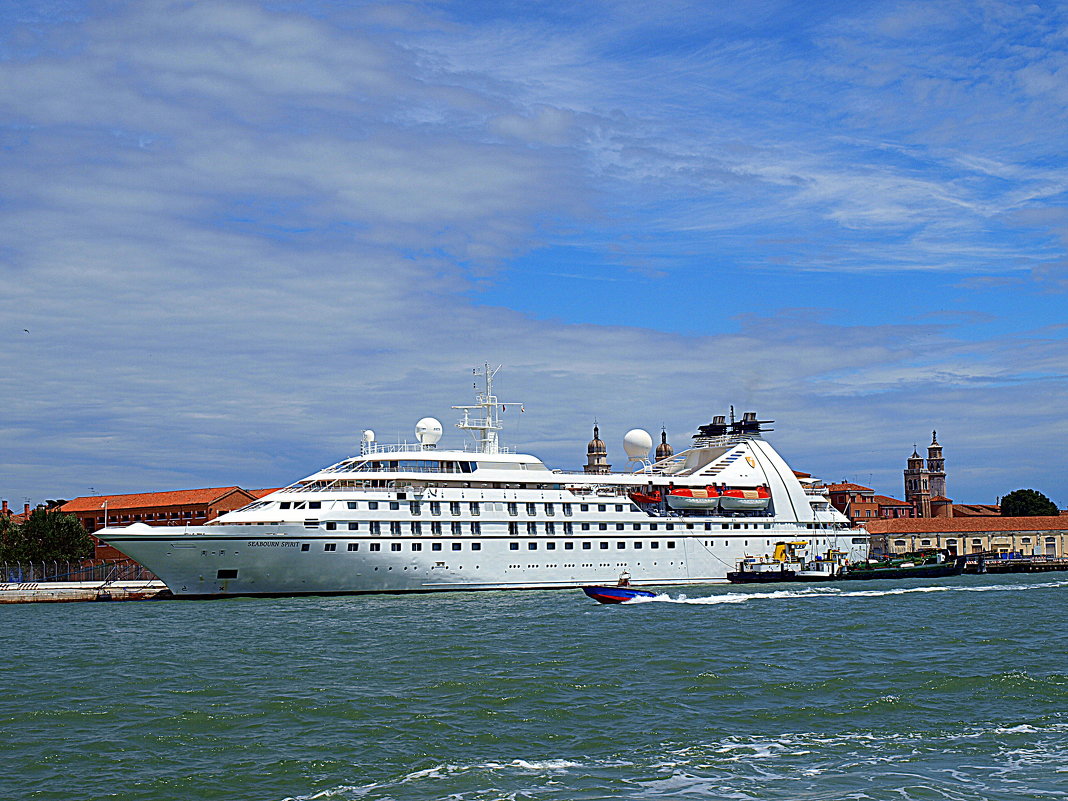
[487,421]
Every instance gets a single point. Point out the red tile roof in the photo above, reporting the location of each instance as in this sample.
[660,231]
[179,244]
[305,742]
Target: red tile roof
[847,486]
[262,493]
[886,500]
[945,525]
[146,500]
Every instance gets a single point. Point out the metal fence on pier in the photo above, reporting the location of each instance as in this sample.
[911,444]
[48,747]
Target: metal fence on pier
[86,570]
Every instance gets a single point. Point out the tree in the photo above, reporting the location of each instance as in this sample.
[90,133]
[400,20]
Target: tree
[1028,503]
[47,535]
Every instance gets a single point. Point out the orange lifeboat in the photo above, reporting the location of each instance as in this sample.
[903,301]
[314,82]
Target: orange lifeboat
[693,498]
[743,499]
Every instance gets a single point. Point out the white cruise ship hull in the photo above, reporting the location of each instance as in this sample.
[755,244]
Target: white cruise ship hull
[228,560]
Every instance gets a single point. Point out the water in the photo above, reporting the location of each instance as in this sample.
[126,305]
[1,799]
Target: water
[947,689]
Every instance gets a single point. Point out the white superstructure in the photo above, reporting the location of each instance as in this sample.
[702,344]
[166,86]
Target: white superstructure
[412,518]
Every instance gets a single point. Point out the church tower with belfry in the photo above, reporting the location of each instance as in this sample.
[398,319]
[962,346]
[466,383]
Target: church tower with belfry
[936,467]
[597,455]
[664,450]
[917,485]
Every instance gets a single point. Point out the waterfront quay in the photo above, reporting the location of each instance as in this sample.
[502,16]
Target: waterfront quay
[67,591]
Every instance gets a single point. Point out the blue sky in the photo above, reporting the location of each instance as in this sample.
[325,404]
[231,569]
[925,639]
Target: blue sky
[234,234]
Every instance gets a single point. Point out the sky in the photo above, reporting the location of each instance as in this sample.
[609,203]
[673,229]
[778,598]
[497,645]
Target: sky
[233,235]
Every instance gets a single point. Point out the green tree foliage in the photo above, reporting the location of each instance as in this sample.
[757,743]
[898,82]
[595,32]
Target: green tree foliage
[47,535]
[1027,503]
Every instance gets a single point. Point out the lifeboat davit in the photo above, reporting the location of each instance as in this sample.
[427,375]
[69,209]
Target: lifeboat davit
[686,498]
[646,497]
[742,499]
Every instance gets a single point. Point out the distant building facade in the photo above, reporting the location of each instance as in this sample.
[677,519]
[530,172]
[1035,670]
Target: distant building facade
[1030,536]
[175,508]
[861,504]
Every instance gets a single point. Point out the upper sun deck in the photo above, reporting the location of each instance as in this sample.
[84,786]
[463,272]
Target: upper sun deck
[416,459]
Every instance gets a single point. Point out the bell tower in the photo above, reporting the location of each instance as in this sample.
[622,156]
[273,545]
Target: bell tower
[917,485]
[597,455]
[936,466]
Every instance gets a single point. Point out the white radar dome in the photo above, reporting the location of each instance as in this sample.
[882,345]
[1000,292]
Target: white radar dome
[368,436]
[637,443]
[428,431]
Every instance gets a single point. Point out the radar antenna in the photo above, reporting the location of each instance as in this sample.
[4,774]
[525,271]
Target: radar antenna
[487,421]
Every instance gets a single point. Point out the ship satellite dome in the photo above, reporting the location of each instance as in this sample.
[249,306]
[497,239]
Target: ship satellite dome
[368,436]
[637,443]
[428,431]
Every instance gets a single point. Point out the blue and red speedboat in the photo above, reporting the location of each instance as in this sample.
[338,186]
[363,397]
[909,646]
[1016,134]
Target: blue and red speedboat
[616,595]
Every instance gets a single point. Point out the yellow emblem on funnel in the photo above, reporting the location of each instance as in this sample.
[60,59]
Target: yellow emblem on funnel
[751,460]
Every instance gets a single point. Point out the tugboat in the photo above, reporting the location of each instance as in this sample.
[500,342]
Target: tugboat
[789,562]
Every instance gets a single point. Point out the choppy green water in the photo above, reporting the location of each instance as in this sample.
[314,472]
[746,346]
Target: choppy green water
[950,689]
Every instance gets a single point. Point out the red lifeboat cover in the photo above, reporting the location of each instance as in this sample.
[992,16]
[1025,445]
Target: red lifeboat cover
[759,492]
[646,497]
[686,492]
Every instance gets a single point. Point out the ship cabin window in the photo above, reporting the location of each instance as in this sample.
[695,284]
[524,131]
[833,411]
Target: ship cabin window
[584,507]
[415,507]
[567,510]
[311,505]
[708,526]
[550,528]
[532,528]
[456,530]
[550,546]
[331,526]
[602,526]
[435,546]
[375,546]
[603,546]
[435,528]
[619,507]
[417,527]
[474,509]
[637,545]
[620,526]
[454,508]
[671,543]
[601,507]
[513,546]
[550,509]
[532,509]
[513,509]
[330,546]
[513,529]
[353,505]
[621,545]
[585,526]
[304,546]
[354,526]
[669,526]
[417,546]
[569,528]
[435,507]
[372,504]
[476,546]
[652,526]
[476,528]
[654,545]
[376,527]
[283,505]
[587,546]
[394,505]
[637,527]
[394,546]
[569,546]
[354,546]
[532,546]
[394,528]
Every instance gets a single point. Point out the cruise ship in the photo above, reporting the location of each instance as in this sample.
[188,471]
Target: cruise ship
[419,518]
